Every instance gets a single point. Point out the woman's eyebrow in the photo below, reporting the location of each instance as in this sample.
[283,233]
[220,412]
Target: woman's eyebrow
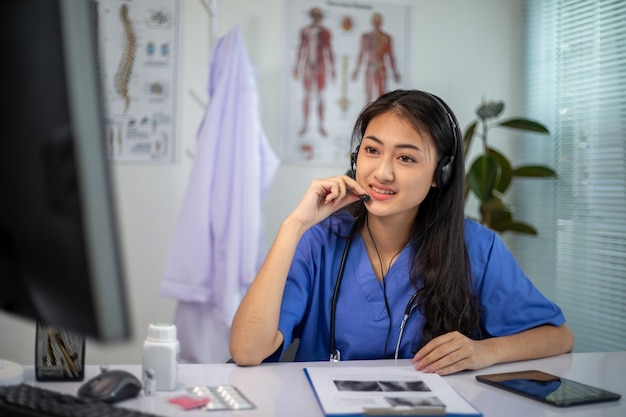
[399,146]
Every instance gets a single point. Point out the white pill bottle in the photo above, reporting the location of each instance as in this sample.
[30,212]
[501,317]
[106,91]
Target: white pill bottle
[161,352]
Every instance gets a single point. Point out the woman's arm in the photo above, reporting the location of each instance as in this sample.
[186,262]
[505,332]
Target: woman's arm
[454,352]
[254,332]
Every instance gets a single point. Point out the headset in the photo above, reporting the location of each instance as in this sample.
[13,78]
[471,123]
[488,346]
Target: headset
[443,175]
[443,172]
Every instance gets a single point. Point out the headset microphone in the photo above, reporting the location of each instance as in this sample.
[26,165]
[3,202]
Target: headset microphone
[363,197]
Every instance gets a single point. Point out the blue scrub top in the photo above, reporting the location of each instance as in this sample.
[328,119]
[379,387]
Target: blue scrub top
[364,329]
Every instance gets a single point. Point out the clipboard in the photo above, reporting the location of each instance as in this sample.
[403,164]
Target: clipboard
[385,391]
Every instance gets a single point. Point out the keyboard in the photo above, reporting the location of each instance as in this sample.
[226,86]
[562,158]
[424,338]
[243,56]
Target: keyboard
[30,401]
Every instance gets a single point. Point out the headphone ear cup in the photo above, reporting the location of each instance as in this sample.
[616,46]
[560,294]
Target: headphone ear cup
[352,171]
[353,156]
[443,173]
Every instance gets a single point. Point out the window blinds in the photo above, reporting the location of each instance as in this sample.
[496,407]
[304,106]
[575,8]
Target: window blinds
[576,85]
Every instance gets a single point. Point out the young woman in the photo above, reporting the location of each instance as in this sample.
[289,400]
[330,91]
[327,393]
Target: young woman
[385,265]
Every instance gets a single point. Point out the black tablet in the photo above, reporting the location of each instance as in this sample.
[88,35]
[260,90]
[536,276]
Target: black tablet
[548,388]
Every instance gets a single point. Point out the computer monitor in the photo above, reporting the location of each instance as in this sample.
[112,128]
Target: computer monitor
[60,261]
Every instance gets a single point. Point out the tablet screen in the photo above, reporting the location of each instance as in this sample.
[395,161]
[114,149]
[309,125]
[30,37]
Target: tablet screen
[548,388]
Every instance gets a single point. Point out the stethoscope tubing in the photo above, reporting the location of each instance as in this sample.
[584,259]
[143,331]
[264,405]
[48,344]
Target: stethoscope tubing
[335,354]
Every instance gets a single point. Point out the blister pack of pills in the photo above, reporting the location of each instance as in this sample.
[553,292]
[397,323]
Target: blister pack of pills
[221,397]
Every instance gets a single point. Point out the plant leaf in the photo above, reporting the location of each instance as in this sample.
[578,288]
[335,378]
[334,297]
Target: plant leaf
[482,176]
[521,227]
[505,173]
[528,125]
[490,109]
[495,214]
[534,171]
[468,136]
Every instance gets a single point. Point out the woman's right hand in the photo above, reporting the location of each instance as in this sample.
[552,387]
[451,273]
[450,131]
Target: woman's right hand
[324,197]
[254,332]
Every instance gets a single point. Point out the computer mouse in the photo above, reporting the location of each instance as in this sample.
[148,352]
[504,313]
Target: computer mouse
[111,386]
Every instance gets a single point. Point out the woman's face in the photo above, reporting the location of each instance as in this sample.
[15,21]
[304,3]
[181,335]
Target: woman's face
[396,165]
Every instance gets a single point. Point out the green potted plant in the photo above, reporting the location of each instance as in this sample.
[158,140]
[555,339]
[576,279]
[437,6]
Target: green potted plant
[491,173]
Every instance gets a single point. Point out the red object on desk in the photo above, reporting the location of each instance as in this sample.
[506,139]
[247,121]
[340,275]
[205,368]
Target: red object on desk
[188,402]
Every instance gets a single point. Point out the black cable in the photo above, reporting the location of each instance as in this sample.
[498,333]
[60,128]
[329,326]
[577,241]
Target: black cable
[382,274]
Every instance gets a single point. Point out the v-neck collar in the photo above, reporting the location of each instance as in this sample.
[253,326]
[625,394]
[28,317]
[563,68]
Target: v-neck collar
[395,281]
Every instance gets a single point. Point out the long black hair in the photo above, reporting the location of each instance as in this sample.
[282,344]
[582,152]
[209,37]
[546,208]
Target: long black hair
[446,299]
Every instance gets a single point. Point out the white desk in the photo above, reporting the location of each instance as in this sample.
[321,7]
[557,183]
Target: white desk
[282,390]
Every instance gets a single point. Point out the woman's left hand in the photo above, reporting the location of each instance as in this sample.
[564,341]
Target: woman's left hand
[452,352]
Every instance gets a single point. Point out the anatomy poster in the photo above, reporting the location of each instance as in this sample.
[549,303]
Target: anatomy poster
[138,42]
[341,55]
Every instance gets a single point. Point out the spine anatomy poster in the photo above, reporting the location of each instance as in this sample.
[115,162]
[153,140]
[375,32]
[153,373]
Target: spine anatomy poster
[138,48]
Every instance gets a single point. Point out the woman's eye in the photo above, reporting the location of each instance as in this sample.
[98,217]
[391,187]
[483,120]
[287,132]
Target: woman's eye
[405,158]
[371,150]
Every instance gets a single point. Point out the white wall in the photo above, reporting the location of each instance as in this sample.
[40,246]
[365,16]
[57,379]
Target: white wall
[461,50]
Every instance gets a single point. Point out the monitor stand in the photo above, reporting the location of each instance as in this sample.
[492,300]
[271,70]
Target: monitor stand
[11,373]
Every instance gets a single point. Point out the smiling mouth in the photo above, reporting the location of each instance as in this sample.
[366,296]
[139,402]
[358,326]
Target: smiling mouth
[379,191]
